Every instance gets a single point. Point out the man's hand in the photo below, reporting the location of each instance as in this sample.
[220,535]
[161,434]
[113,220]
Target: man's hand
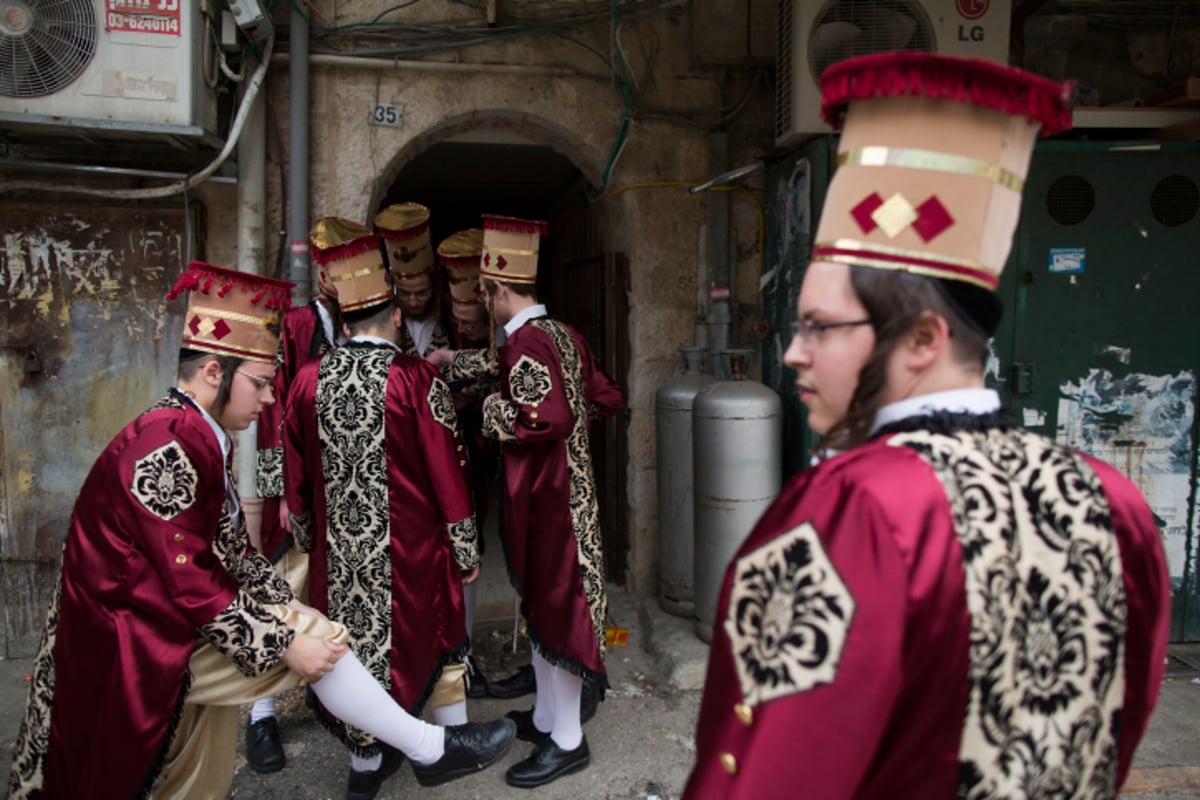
[440,357]
[285,518]
[312,657]
[469,575]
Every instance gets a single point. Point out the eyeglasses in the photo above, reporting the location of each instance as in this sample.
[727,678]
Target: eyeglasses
[421,296]
[261,383]
[809,330]
[468,324]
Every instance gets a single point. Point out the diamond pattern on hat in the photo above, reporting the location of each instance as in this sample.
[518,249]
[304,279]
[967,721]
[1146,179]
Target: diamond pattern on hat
[863,211]
[894,215]
[221,329]
[932,218]
[501,262]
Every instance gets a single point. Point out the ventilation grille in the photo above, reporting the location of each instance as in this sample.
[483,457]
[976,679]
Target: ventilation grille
[848,28]
[1175,200]
[44,44]
[1070,200]
[783,70]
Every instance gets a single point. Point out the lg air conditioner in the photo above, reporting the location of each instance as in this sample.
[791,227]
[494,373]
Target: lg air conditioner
[813,34]
[108,68]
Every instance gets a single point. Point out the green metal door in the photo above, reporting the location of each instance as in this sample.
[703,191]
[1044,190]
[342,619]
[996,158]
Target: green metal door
[1099,349]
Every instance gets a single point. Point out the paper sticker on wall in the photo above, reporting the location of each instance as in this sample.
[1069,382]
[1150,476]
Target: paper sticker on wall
[1032,417]
[1068,259]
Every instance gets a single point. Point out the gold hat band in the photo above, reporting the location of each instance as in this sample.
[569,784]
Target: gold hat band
[234,316]
[358,273]
[932,161]
[508,251]
[849,251]
[502,277]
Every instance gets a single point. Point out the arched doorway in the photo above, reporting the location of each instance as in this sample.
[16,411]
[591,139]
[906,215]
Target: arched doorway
[475,169]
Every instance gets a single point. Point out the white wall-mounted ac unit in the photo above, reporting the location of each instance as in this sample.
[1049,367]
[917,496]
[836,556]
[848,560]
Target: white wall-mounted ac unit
[114,68]
[813,34]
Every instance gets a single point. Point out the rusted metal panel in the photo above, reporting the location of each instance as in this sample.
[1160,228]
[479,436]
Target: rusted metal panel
[88,343]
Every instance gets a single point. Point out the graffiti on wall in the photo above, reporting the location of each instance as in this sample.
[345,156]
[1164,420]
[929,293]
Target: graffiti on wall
[1142,425]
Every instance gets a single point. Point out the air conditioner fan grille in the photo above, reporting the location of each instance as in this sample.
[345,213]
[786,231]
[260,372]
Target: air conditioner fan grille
[44,45]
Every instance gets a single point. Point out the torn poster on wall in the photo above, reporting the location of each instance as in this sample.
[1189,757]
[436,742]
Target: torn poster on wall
[1142,425]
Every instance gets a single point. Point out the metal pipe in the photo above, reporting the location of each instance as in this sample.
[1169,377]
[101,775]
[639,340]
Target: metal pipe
[728,177]
[363,62]
[93,169]
[720,294]
[298,263]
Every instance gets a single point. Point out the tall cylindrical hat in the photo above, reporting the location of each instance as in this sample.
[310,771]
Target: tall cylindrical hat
[459,253]
[510,248]
[349,263]
[931,163]
[232,313]
[405,231]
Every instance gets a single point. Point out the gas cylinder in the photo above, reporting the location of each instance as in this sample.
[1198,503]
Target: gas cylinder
[673,429]
[737,434]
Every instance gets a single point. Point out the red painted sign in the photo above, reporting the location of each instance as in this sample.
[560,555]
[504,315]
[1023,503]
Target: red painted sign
[143,16]
[972,9]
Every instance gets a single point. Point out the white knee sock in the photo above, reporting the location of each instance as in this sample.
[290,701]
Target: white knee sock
[470,594]
[353,696]
[453,714]
[543,707]
[263,707]
[360,764]
[568,731]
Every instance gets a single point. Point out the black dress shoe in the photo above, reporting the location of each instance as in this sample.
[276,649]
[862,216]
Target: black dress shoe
[548,762]
[526,730]
[264,751]
[589,699]
[521,682]
[477,684]
[469,748]
[365,785]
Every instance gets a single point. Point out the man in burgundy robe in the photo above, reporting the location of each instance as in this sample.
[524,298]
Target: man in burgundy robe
[551,389]
[377,483]
[947,606]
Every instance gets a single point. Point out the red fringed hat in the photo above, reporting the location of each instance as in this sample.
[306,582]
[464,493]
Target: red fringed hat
[932,162]
[350,264]
[510,248]
[459,253]
[232,313]
[405,231]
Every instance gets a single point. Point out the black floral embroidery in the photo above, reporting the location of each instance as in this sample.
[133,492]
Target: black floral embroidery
[529,382]
[789,615]
[302,530]
[441,404]
[464,540]
[29,750]
[269,478]
[164,481]
[247,634]
[474,365]
[499,419]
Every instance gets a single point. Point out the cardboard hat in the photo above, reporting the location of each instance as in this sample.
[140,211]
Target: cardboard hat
[510,248]
[932,161]
[459,253]
[405,231]
[349,263]
[232,313]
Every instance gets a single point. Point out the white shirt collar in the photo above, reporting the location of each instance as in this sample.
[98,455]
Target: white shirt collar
[969,401]
[535,310]
[369,339]
[327,325]
[222,435]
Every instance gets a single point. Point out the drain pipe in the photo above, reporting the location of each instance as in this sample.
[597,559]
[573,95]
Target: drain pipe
[252,204]
[720,314]
[298,263]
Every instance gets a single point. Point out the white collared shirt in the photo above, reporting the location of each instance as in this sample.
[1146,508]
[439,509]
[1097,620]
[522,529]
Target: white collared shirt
[533,311]
[327,325]
[226,442]
[369,339]
[966,401]
[421,332]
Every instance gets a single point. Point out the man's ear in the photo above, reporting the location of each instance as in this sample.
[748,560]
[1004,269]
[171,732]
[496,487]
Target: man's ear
[397,317]
[927,339]
[212,372]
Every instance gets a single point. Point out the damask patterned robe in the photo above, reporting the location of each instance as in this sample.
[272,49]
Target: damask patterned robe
[956,609]
[476,371]
[302,339]
[377,483]
[551,388]
[439,340]
[151,561]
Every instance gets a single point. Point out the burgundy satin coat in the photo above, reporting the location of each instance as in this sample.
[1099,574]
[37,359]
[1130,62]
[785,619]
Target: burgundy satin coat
[425,499]
[554,557]
[887,718]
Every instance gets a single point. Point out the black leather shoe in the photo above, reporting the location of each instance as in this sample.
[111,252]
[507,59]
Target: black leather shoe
[521,682]
[589,699]
[469,749]
[526,730]
[548,762]
[264,751]
[365,785]
[477,684]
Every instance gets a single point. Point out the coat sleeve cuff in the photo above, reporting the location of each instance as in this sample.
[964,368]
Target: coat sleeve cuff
[248,635]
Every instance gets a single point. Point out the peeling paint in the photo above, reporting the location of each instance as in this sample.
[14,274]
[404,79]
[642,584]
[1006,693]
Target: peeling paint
[1122,354]
[1141,424]
[1033,418]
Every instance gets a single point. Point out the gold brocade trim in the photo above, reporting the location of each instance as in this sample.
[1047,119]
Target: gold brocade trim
[358,273]
[912,158]
[508,251]
[235,316]
[504,277]
[934,265]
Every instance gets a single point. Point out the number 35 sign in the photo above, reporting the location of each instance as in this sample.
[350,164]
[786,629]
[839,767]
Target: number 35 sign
[387,114]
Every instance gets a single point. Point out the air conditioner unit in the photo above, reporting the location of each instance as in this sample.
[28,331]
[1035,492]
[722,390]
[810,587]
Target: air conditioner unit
[108,68]
[813,34]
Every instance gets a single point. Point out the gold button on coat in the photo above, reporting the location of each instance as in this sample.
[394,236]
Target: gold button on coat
[179,537]
[729,763]
[744,713]
[180,559]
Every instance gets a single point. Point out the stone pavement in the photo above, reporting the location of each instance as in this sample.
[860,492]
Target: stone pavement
[641,738]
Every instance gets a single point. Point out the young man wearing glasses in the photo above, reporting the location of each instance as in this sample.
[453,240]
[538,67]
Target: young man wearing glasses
[404,228]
